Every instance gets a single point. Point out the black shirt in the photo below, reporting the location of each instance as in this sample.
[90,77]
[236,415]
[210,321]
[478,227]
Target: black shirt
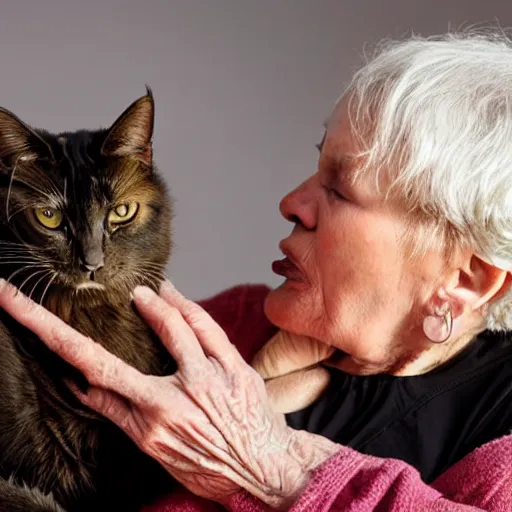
[430,421]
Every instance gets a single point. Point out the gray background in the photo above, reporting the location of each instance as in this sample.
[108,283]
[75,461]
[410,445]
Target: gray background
[242,88]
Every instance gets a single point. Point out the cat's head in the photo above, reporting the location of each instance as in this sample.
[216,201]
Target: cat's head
[82,213]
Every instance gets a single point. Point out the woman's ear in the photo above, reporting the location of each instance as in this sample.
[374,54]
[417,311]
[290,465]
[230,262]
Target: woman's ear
[476,283]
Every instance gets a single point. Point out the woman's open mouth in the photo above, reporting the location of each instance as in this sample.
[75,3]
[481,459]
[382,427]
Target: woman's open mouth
[287,268]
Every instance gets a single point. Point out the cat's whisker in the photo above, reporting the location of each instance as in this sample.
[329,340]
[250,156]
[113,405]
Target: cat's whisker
[15,250]
[17,255]
[18,260]
[16,234]
[21,254]
[53,187]
[149,276]
[146,263]
[49,194]
[48,287]
[15,273]
[12,259]
[22,269]
[27,251]
[9,190]
[152,271]
[33,274]
[19,210]
[154,267]
[45,274]
[18,250]
[8,242]
[155,274]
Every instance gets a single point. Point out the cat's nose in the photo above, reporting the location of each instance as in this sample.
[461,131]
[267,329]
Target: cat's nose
[90,250]
[92,266]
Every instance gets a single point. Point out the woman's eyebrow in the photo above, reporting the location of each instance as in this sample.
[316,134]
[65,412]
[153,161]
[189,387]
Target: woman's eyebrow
[342,167]
[320,145]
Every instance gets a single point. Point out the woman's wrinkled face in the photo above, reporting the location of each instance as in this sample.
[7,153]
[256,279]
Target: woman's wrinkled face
[348,280]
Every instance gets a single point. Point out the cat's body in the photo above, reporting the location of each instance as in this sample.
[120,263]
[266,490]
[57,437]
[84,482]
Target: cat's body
[83,219]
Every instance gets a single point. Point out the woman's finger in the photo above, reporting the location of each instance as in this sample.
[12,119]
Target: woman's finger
[107,403]
[285,353]
[211,336]
[297,390]
[171,328]
[100,367]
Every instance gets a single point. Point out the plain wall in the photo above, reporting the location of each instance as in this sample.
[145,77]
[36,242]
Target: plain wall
[241,87]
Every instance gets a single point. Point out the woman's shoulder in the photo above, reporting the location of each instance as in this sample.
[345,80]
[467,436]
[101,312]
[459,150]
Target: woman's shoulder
[468,403]
[239,311]
[489,386]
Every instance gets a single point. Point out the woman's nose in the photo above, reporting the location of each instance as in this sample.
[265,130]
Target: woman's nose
[300,205]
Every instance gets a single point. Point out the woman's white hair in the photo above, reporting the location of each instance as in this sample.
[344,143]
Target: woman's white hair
[440,116]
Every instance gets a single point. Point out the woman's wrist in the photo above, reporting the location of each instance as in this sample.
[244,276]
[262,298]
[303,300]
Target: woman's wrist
[311,450]
[305,453]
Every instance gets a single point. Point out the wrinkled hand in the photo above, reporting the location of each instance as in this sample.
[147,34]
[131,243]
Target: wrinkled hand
[210,424]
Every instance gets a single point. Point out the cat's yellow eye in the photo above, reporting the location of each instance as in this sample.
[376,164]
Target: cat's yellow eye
[48,217]
[123,213]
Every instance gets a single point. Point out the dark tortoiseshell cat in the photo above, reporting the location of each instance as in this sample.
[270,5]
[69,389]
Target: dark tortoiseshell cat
[84,217]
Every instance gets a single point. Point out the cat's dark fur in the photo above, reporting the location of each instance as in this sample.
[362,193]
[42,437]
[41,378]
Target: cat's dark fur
[84,271]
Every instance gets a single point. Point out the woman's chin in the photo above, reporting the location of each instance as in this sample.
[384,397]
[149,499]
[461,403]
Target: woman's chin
[290,306]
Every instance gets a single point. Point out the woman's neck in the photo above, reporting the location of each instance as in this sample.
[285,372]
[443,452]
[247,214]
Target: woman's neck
[423,357]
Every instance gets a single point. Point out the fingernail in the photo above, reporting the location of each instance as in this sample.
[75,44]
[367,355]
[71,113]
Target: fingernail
[74,388]
[143,294]
[5,286]
[167,286]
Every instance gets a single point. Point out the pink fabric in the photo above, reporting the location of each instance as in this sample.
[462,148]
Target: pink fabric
[350,481]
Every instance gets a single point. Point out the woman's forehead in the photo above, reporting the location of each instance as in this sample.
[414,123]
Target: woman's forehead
[339,131]
[339,144]
[343,156]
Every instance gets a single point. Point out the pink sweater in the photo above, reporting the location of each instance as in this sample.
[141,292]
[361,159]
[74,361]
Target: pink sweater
[350,481]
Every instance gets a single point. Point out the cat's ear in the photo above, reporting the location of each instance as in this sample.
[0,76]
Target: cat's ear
[18,142]
[131,134]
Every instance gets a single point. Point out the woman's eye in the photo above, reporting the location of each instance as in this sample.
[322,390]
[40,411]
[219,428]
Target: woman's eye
[337,194]
[48,217]
[123,213]
[334,193]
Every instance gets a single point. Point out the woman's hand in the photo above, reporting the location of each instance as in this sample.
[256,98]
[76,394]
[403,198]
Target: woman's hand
[290,366]
[210,424]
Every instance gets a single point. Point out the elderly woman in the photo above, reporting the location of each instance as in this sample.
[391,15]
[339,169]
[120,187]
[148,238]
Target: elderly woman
[388,349]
